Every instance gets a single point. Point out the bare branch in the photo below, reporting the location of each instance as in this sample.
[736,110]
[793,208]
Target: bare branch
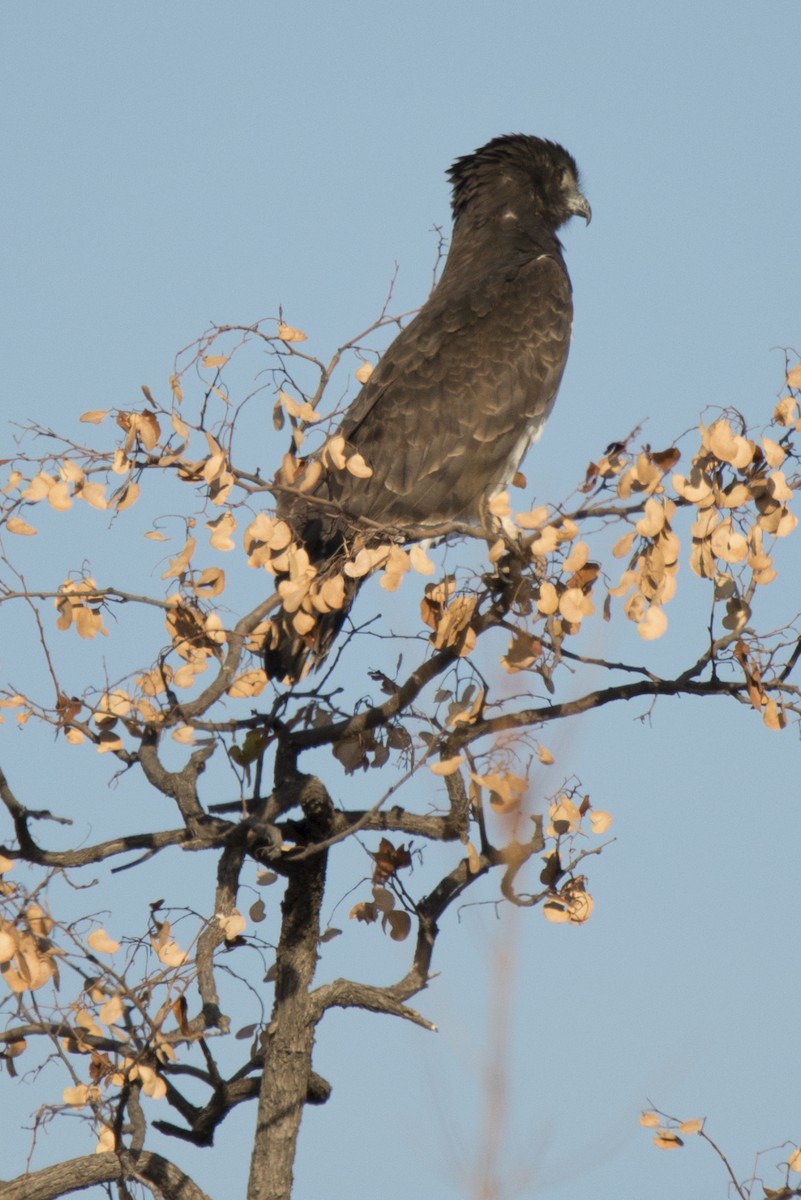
[157,1173]
[591,700]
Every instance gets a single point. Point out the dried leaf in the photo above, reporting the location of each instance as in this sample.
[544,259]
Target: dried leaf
[248,684]
[389,859]
[728,446]
[287,334]
[221,529]
[360,566]
[127,496]
[110,1012]
[101,943]
[311,470]
[773,716]
[358,467]
[59,497]
[232,924]
[473,859]
[8,946]
[446,766]
[548,599]
[653,520]
[303,623]
[453,627]
[333,453]
[17,525]
[383,900]
[184,735]
[39,922]
[39,487]
[209,583]
[400,924]
[534,519]
[785,412]
[522,652]
[666,1140]
[108,743]
[564,815]
[169,952]
[774,453]
[94,494]
[365,911]
[624,544]
[575,606]
[577,557]
[652,624]
[420,561]
[179,565]
[499,505]
[555,912]
[107,1141]
[300,409]
[152,1084]
[600,821]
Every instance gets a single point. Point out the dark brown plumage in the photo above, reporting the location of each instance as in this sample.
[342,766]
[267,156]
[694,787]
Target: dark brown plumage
[452,407]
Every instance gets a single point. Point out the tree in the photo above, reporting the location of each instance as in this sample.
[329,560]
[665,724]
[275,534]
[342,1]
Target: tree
[465,694]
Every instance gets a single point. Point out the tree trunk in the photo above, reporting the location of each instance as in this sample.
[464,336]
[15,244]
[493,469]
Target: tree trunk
[290,1036]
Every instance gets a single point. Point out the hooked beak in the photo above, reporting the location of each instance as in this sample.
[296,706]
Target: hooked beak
[578,206]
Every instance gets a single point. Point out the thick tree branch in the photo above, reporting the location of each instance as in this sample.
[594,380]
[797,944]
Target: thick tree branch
[181,785]
[32,852]
[347,993]
[290,1035]
[213,935]
[527,717]
[203,1122]
[161,1176]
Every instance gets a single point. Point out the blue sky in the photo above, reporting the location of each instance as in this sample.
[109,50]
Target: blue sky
[166,166]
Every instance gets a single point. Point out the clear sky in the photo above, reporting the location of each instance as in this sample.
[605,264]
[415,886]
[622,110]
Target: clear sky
[169,165]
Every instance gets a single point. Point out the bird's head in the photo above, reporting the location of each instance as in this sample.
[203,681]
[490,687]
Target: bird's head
[519,177]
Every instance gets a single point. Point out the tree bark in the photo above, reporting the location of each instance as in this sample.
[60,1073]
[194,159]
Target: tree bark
[163,1177]
[290,1036]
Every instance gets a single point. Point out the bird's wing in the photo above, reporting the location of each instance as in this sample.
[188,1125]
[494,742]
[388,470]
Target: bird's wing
[452,406]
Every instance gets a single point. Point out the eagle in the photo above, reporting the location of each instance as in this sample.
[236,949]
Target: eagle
[445,419]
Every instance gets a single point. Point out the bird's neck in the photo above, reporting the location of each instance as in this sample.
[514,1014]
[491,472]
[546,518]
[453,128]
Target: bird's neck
[501,236]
